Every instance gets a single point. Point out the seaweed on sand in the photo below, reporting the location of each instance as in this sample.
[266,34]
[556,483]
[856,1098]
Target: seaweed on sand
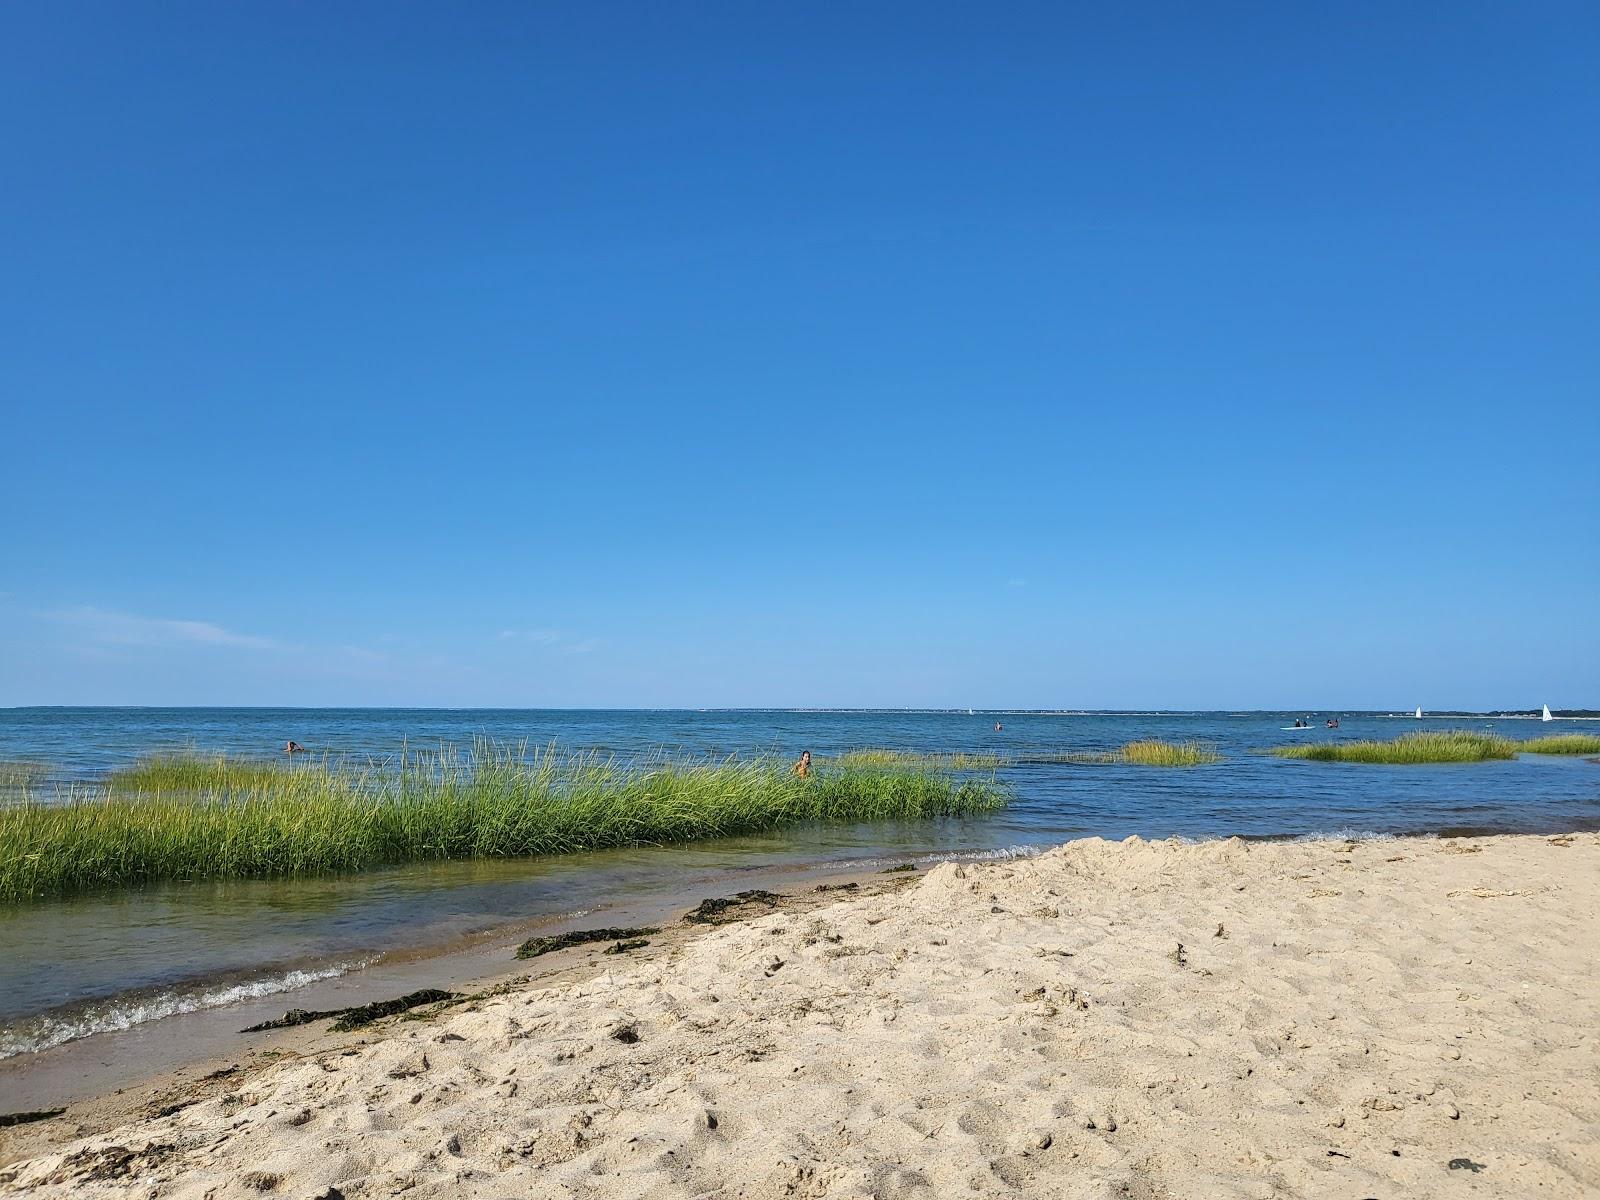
[715,911]
[357,1015]
[534,947]
[28,1118]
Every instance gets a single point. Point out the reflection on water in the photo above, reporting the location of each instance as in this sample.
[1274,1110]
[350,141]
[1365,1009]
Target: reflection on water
[164,947]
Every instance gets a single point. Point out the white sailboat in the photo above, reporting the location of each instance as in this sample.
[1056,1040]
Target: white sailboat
[1547,716]
[1419,712]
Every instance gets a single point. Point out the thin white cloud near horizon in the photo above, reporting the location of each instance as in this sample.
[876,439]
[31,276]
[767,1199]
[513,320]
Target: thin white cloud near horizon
[129,629]
[556,639]
[541,637]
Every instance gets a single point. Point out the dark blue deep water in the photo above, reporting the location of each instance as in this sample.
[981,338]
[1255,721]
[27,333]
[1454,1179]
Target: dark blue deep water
[74,966]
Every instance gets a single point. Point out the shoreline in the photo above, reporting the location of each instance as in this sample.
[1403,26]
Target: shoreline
[91,1066]
[86,1066]
[221,1056]
[1217,1018]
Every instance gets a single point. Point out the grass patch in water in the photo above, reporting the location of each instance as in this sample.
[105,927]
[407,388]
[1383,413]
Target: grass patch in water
[1562,743]
[1150,752]
[955,760]
[163,773]
[255,820]
[1432,746]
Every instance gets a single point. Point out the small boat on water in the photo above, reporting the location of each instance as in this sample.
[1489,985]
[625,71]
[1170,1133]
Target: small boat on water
[1547,716]
[1419,712]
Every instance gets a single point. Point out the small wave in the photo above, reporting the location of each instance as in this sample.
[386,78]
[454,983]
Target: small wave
[991,855]
[41,1032]
[1344,833]
[996,854]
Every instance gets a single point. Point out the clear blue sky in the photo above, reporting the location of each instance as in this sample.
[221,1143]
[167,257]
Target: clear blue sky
[868,354]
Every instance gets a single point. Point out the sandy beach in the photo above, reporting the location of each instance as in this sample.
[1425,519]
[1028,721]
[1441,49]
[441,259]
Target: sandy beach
[1387,1018]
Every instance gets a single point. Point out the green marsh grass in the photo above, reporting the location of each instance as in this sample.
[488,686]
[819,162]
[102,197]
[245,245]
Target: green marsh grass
[1152,752]
[953,760]
[241,819]
[1432,746]
[203,773]
[21,775]
[1562,743]
[1149,752]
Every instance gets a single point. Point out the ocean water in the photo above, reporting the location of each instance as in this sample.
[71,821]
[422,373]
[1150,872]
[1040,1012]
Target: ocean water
[93,963]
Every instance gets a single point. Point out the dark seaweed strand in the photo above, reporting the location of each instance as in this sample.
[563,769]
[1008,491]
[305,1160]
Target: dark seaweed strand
[534,947]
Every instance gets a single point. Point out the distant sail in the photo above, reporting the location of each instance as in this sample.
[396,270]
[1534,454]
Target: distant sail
[1419,712]
[1547,716]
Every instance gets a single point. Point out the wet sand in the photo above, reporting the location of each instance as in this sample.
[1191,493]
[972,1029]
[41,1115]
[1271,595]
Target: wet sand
[201,1040]
[1393,1017]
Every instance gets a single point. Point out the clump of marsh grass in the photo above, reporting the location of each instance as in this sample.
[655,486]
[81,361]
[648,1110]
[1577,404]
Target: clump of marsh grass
[1148,752]
[163,773]
[226,819]
[1152,752]
[1562,743]
[1432,746]
[949,760]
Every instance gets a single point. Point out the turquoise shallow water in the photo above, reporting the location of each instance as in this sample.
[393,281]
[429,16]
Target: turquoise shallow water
[76,966]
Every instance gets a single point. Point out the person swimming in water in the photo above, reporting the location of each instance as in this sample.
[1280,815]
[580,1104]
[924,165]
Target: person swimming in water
[293,748]
[803,767]
[998,727]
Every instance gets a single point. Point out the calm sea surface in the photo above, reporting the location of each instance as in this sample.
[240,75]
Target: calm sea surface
[69,968]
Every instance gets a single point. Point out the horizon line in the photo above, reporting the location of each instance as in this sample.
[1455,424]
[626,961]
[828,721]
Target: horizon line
[962,710]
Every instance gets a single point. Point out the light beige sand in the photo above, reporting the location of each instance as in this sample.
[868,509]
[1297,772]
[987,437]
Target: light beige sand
[1341,1021]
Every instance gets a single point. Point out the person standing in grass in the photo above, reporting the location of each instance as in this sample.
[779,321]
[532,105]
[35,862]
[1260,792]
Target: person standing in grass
[803,767]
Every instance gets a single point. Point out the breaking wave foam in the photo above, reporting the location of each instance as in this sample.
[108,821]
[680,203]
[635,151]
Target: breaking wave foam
[41,1032]
[994,854]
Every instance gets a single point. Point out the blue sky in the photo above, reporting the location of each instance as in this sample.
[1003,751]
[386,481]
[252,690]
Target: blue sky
[726,354]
